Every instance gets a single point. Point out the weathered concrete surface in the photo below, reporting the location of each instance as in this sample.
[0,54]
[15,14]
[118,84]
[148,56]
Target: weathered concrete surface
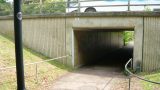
[151,46]
[95,78]
[99,77]
[119,23]
[52,35]
[99,14]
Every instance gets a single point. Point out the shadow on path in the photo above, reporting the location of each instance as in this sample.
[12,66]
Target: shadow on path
[105,73]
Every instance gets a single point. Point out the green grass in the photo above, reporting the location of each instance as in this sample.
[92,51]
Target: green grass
[154,76]
[47,71]
[128,36]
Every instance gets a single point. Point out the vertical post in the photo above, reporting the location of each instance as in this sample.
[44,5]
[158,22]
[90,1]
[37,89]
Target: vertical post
[129,83]
[40,2]
[18,45]
[68,5]
[78,6]
[73,52]
[128,5]
[132,64]
[36,74]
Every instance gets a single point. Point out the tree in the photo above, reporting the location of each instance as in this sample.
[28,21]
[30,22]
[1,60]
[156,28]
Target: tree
[46,7]
[128,36]
[54,6]
[5,8]
[2,1]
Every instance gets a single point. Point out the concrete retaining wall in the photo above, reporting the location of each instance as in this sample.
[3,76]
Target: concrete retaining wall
[151,49]
[53,35]
[44,35]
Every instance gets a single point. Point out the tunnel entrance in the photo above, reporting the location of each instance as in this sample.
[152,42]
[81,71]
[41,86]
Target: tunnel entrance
[102,47]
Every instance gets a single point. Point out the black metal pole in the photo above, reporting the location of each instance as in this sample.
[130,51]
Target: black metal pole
[18,45]
[129,5]
[129,83]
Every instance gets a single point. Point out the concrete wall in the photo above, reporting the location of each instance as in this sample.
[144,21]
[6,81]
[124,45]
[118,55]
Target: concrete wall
[53,36]
[119,23]
[89,44]
[44,35]
[151,49]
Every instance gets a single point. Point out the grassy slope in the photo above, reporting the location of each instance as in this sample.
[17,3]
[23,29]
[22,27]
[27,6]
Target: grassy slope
[155,76]
[47,72]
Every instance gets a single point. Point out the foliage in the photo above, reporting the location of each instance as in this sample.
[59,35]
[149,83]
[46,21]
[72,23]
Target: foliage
[151,86]
[128,36]
[47,7]
[30,9]
[53,8]
[5,9]
[34,7]
[51,1]
[147,8]
[2,1]
[43,1]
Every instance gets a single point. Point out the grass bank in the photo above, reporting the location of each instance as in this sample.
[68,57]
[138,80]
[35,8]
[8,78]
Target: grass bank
[154,76]
[47,72]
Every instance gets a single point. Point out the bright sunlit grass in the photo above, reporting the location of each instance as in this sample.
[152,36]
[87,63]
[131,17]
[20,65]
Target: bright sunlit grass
[153,77]
[47,72]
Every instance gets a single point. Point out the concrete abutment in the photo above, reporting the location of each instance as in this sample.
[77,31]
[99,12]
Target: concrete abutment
[53,35]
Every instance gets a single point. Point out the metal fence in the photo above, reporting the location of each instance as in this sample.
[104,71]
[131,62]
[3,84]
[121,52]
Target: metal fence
[134,75]
[8,74]
[32,8]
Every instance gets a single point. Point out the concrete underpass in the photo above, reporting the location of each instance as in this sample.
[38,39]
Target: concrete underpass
[101,56]
[101,48]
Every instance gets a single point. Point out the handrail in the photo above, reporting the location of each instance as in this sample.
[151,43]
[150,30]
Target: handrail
[129,5]
[131,74]
[35,62]
[118,5]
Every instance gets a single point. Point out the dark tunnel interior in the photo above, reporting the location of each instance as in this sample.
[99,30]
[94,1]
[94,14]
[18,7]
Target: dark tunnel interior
[116,58]
[102,48]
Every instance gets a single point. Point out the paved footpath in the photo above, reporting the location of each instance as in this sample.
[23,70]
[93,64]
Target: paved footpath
[95,78]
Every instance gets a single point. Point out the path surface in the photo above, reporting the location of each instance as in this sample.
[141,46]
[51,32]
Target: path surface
[95,78]
[105,74]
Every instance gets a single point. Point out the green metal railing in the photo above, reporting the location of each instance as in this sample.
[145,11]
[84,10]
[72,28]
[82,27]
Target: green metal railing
[134,75]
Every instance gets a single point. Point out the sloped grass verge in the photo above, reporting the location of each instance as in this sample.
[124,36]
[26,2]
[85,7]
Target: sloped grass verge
[154,76]
[37,77]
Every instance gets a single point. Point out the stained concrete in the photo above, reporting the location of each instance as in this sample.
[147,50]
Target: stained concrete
[91,78]
[52,35]
[96,78]
[105,74]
